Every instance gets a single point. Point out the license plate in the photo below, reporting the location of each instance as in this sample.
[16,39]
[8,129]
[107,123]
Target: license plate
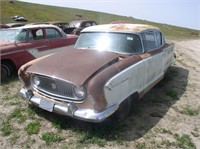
[46,105]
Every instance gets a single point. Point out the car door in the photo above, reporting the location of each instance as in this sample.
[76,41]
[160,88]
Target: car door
[56,41]
[168,53]
[154,60]
[37,44]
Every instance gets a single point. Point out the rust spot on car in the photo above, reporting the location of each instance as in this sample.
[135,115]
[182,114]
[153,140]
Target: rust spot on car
[145,55]
[23,74]
[96,84]
[131,27]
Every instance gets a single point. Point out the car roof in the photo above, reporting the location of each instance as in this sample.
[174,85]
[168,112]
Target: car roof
[4,26]
[36,26]
[82,21]
[57,22]
[11,24]
[131,28]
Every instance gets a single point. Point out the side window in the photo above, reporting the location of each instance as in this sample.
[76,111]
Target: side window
[150,41]
[93,23]
[52,33]
[39,34]
[36,34]
[88,24]
[30,35]
[163,39]
[144,42]
[159,38]
[22,36]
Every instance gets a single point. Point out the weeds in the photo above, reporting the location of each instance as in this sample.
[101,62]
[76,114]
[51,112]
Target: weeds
[100,134]
[58,124]
[14,138]
[30,112]
[33,128]
[163,130]
[17,113]
[168,143]
[195,132]
[190,111]
[171,93]
[89,138]
[11,97]
[6,129]
[184,141]
[49,137]
[140,145]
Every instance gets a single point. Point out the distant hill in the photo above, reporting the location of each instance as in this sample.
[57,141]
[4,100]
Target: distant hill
[44,13]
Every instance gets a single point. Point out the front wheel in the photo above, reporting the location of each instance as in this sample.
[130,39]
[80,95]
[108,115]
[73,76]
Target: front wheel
[6,71]
[125,107]
[123,110]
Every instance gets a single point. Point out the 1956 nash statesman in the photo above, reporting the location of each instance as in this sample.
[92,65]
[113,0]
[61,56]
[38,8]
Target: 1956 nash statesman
[109,66]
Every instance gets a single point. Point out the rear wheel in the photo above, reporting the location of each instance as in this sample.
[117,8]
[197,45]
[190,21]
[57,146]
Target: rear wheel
[6,71]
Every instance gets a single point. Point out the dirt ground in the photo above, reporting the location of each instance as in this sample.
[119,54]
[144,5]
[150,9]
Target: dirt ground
[166,117]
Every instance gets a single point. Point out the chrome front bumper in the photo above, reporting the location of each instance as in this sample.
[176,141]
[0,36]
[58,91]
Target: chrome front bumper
[68,109]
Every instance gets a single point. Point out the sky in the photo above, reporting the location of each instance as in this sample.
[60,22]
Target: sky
[184,13]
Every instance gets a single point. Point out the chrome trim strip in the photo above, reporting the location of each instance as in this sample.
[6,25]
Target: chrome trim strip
[70,109]
[55,96]
[11,52]
[49,94]
[53,77]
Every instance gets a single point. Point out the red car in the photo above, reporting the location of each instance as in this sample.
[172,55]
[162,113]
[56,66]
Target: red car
[4,26]
[23,44]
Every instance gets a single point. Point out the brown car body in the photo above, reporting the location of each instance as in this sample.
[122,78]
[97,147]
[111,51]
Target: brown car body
[91,84]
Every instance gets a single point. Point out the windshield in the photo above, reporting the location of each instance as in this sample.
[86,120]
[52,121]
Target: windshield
[122,43]
[13,35]
[74,24]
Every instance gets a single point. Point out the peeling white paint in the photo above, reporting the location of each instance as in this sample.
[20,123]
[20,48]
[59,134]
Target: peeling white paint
[137,77]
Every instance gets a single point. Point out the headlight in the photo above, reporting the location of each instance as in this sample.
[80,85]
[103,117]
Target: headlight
[36,80]
[79,92]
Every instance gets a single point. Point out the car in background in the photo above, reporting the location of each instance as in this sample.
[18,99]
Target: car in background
[4,26]
[75,27]
[36,23]
[122,22]
[19,18]
[23,44]
[61,24]
[109,68]
[15,24]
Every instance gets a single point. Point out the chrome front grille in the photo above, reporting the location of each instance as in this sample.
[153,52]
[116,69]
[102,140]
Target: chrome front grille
[54,88]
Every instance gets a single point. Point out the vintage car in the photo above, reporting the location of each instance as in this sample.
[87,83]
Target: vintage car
[61,24]
[75,27]
[23,44]
[15,24]
[19,18]
[109,68]
[4,26]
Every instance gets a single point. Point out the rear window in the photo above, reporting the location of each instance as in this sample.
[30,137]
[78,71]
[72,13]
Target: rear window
[159,38]
[150,40]
[52,33]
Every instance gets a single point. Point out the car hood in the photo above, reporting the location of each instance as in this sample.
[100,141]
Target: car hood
[73,65]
